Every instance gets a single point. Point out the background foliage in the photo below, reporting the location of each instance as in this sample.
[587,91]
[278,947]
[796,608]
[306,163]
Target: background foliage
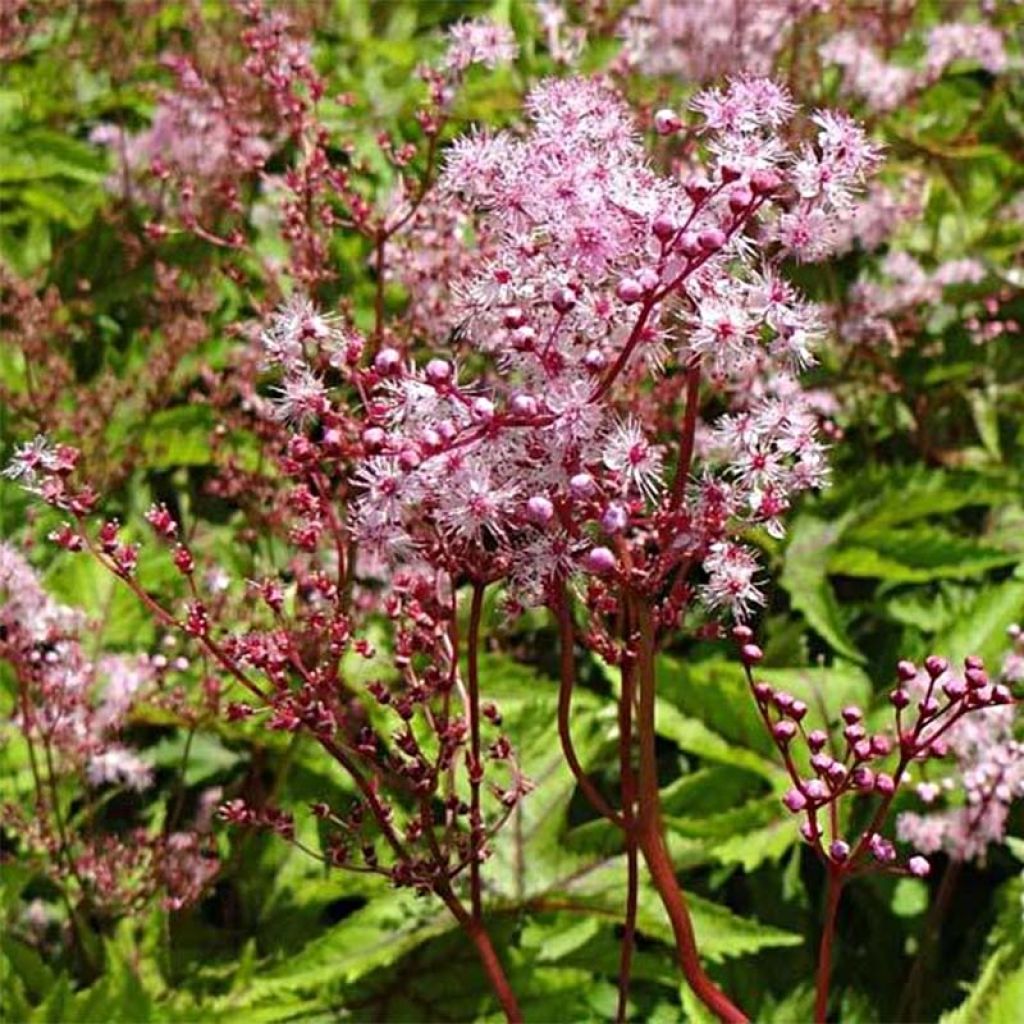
[918,547]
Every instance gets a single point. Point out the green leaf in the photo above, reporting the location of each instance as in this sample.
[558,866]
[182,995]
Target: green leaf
[804,578]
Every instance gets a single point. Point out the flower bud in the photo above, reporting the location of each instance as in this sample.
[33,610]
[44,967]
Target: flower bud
[751,654]
[595,360]
[839,850]
[374,438]
[763,691]
[387,361]
[524,338]
[599,561]
[563,300]
[730,173]
[863,778]
[919,867]
[482,410]
[784,731]
[935,666]
[740,199]
[810,831]
[795,800]
[817,739]
[523,405]
[663,227]
[899,698]
[954,688]
[615,518]
[906,670]
[688,244]
[711,240]
[539,510]
[698,188]
[852,714]
[582,485]
[649,279]
[764,181]
[885,784]
[815,790]
[629,290]
[667,122]
[438,371]
[514,317]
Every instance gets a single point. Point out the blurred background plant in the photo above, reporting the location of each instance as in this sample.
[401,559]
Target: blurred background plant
[158,188]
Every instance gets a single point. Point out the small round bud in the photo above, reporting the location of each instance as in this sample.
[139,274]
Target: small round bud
[815,790]
[919,867]
[817,739]
[615,518]
[764,181]
[688,244]
[783,701]
[524,338]
[880,745]
[763,691]
[387,361]
[798,710]
[599,561]
[935,666]
[698,188]
[563,300]
[839,850]
[742,634]
[751,654]
[906,670]
[973,661]
[954,688]
[514,317]
[649,279]
[711,240]
[899,698]
[539,510]
[852,714]
[862,750]
[836,773]
[482,410]
[885,784]
[374,438]
[438,371]
[409,459]
[523,405]
[740,199]
[863,778]
[730,173]
[595,360]
[667,122]
[784,731]
[582,485]
[663,227]
[629,290]
[821,762]
[795,800]
[976,678]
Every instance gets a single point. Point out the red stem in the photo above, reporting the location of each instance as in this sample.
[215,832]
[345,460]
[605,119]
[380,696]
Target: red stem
[833,891]
[475,766]
[565,629]
[628,777]
[652,845]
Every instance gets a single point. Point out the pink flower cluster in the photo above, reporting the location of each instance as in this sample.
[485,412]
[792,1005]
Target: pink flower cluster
[602,275]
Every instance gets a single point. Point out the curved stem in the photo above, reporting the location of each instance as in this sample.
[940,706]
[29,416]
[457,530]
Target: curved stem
[475,766]
[628,777]
[833,891]
[485,950]
[568,672]
[652,844]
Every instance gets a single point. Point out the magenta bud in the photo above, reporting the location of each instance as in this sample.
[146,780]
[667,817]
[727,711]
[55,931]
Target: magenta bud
[906,670]
[430,438]
[409,459]
[935,666]
[862,749]
[783,701]
[863,778]
[439,371]
[798,710]
[815,790]
[1001,695]
[582,485]
[523,405]
[663,227]
[821,762]
[919,867]
[852,714]
[667,122]
[595,360]
[698,189]
[817,739]
[742,634]
[688,244]
[836,773]
[839,850]
[563,300]
[784,731]
[973,661]
[740,199]
[599,561]
[764,181]
[899,698]
[482,410]
[976,678]
[374,438]
[795,800]
[730,173]
[810,831]
[629,290]
[954,688]
[524,338]
[711,240]
[854,732]
[514,317]
[885,784]
[939,748]
[880,745]
[615,518]
[751,654]
[763,692]
[881,849]
[649,279]
[387,361]
[539,510]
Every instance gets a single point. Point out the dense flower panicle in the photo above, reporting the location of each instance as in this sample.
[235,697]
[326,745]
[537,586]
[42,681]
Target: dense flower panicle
[598,274]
